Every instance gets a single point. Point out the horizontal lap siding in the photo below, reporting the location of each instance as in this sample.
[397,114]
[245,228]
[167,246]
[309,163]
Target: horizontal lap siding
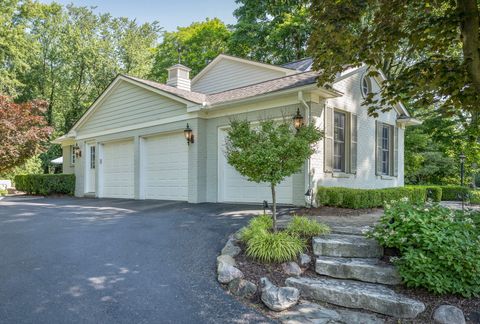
[129,105]
[228,74]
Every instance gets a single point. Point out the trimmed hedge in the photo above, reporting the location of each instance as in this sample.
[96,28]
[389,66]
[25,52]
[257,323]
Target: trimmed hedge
[46,184]
[455,193]
[367,198]
[433,192]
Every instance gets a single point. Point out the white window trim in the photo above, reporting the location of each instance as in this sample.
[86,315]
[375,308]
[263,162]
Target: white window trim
[365,77]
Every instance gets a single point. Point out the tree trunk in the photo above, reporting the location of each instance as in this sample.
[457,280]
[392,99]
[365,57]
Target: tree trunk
[274,208]
[469,26]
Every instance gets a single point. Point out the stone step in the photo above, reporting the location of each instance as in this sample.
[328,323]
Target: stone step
[306,312]
[360,295]
[350,229]
[348,246]
[368,270]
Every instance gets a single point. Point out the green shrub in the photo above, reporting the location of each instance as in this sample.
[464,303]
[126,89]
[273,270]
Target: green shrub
[433,192]
[270,247]
[454,193]
[46,184]
[367,198]
[3,192]
[257,224]
[475,197]
[439,248]
[306,228]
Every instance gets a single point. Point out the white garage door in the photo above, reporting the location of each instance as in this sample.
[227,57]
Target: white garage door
[118,170]
[166,167]
[233,187]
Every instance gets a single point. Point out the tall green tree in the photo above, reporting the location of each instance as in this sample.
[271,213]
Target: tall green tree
[436,41]
[194,46]
[269,152]
[271,31]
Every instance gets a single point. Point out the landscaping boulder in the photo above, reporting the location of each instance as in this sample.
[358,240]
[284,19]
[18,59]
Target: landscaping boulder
[447,314]
[227,273]
[291,268]
[304,260]
[225,258]
[242,288]
[278,298]
[231,249]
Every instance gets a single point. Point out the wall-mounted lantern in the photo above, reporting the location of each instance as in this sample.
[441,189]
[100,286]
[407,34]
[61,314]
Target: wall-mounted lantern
[188,134]
[297,120]
[77,151]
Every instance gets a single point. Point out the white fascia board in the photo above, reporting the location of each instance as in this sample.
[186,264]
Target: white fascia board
[138,126]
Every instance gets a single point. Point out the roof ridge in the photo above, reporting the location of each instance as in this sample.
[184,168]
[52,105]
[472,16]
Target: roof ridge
[303,59]
[162,84]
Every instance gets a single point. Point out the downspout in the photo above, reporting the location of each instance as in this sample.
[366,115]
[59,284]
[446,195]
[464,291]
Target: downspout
[308,116]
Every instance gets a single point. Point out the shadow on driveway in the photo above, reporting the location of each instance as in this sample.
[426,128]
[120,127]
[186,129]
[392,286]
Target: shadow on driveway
[71,260]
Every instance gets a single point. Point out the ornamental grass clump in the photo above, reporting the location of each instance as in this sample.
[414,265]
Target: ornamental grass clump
[439,248]
[274,247]
[306,228]
[266,246]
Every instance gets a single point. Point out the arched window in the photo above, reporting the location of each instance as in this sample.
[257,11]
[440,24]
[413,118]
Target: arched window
[366,85]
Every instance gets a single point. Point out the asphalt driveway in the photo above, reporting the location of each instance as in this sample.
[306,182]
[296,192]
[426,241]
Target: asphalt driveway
[68,260]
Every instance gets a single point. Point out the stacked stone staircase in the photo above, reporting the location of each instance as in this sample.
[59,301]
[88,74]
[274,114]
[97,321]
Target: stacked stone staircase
[353,276]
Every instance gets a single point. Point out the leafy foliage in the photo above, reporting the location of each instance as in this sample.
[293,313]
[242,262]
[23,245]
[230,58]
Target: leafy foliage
[23,131]
[432,47]
[194,45]
[46,184]
[367,198]
[306,228]
[31,166]
[440,248]
[270,152]
[271,31]
[268,247]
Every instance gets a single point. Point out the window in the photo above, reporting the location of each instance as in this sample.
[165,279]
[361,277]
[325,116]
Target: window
[366,85]
[92,157]
[339,135]
[386,161]
[72,155]
[386,149]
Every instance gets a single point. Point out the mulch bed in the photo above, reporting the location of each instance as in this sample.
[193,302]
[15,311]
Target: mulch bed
[253,271]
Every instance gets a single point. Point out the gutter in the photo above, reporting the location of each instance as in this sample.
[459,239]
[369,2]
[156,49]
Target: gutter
[406,121]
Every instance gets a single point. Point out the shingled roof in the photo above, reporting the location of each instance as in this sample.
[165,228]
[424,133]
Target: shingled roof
[270,86]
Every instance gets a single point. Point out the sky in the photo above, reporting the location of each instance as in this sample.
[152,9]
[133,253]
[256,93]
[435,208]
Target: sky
[169,13]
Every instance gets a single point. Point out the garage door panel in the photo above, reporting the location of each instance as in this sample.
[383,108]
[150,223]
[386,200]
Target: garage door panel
[166,167]
[118,170]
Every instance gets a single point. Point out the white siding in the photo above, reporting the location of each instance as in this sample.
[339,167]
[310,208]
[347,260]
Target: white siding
[68,166]
[228,74]
[351,102]
[127,105]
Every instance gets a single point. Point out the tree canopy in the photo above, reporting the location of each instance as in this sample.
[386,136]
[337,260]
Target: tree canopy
[23,131]
[271,31]
[194,46]
[269,152]
[432,47]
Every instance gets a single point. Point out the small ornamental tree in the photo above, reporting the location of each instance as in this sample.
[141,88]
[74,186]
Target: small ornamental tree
[269,152]
[23,131]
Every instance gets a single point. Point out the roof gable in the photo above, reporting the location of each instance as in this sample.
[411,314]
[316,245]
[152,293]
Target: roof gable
[228,72]
[126,102]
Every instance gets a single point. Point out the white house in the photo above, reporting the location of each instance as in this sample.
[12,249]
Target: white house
[131,143]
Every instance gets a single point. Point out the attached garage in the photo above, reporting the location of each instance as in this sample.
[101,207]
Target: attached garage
[165,167]
[118,169]
[233,187]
